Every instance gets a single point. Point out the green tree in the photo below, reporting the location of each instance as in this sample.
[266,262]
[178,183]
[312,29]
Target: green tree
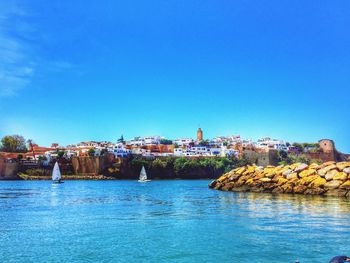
[60,154]
[298,146]
[91,152]
[30,144]
[166,141]
[13,143]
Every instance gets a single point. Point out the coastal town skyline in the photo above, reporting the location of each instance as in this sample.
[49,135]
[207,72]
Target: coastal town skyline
[112,139]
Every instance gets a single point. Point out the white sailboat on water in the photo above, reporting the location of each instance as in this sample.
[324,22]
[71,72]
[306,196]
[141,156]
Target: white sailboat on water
[56,174]
[143,176]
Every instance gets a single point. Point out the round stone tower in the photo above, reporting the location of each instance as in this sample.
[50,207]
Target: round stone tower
[327,146]
[199,134]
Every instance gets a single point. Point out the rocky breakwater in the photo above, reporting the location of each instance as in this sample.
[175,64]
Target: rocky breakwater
[330,178]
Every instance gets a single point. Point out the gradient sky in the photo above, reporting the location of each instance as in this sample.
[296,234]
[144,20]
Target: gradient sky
[93,70]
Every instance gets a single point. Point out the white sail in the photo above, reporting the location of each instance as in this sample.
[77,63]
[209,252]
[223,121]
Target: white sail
[143,174]
[56,173]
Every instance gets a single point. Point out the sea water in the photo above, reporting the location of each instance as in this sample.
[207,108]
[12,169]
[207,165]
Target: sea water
[165,221]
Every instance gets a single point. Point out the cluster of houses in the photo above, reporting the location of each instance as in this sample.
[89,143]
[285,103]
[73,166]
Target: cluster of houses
[156,146]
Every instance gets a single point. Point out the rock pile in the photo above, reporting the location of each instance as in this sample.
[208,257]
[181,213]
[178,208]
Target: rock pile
[330,178]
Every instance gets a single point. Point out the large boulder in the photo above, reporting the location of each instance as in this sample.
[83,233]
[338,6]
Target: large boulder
[307,172]
[300,189]
[287,172]
[330,174]
[292,175]
[332,184]
[322,172]
[318,182]
[342,165]
[345,185]
[300,167]
[315,191]
[307,180]
[212,184]
[340,176]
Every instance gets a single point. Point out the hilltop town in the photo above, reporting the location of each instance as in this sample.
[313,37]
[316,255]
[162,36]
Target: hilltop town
[180,158]
[158,146]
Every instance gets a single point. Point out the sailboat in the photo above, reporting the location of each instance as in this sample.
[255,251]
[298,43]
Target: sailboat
[143,176]
[56,174]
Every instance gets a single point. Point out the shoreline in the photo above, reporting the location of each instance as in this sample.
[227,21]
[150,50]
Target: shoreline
[24,177]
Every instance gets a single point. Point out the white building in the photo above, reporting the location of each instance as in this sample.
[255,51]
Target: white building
[183,141]
[268,143]
[119,150]
[142,141]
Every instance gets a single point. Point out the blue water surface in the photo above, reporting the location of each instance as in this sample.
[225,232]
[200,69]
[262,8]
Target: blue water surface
[165,221]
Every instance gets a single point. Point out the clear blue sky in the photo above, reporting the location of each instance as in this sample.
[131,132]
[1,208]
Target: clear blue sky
[93,70]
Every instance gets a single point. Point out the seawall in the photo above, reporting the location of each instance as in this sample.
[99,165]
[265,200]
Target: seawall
[330,178]
[8,170]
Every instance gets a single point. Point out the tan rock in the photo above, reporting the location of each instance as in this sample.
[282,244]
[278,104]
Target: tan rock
[299,189]
[259,169]
[278,190]
[269,171]
[293,181]
[292,175]
[345,185]
[265,179]
[249,170]
[315,191]
[241,170]
[307,180]
[330,174]
[346,170]
[250,181]
[282,181]
[307,172]
[332,184]
[342,165]
[318,182]
[287,172]
[300,167]
[322,172]
[218,186]
[321,166]
[313,166]
[340,176]
[287,188]
[294,165]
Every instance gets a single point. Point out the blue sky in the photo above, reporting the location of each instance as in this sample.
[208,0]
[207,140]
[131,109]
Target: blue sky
[87,70]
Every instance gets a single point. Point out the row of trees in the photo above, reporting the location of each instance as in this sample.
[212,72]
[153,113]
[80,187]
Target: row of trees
[181,167]
[15,144]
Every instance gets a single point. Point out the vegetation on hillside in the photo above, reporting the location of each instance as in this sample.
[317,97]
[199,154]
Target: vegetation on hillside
[13,143]
[181,167]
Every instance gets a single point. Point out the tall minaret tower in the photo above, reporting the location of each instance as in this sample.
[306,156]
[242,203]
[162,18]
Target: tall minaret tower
[199,134]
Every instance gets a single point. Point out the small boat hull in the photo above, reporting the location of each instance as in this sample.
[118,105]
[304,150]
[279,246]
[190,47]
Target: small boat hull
[57,182]
[143,181]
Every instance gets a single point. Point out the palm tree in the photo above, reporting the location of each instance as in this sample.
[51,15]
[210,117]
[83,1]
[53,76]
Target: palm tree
[30,143]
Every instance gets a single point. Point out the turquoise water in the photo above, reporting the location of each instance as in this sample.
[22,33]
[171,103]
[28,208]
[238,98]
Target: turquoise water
[165,221]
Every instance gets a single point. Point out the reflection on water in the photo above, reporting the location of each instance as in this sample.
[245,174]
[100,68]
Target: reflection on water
[166,221]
